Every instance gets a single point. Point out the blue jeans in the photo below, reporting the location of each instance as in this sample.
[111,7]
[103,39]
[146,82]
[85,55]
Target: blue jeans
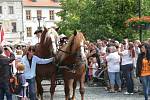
[114,77]
[146,85]
[32,89]
[4,90]
[127,74]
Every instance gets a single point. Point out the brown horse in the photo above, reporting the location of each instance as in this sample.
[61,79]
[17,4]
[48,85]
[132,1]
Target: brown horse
[71,59]
[45,49]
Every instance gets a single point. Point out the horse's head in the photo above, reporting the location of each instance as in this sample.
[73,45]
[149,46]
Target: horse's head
[76,44]
[74,48]
[48,40]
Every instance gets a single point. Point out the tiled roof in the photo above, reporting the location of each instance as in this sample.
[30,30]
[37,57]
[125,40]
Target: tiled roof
[41,3]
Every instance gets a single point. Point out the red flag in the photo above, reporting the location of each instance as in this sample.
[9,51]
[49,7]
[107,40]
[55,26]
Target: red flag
[1,34]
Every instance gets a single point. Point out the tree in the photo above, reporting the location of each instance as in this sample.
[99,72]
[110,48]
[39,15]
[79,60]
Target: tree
[100,18]
[71,15]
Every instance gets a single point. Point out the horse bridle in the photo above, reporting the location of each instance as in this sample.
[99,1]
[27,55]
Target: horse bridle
[65,51]
[77,55]
[71,67]
[69,53]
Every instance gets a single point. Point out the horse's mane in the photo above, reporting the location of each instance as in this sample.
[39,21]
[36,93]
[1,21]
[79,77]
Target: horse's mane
[67,46]
[75,40]
[45,44]
[43,35]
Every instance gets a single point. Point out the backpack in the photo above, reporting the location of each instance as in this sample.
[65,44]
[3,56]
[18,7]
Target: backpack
[15,84]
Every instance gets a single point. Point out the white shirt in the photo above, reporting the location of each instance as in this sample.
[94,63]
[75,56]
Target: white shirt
[95,67]
[113,62]
[30,72]
[35,40]
[103,49]
[126,57]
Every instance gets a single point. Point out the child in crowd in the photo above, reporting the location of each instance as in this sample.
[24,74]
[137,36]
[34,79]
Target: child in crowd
[93,66]
[22,80]
[90,70]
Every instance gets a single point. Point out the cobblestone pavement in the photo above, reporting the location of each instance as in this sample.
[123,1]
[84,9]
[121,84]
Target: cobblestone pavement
[92,93]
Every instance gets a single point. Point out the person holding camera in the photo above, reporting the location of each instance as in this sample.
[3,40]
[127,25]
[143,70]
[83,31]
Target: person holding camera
[5,75]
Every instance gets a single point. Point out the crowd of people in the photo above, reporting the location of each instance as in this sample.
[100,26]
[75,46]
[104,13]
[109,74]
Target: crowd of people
[125,65]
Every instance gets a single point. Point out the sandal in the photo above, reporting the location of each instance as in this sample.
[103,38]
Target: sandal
[111,91]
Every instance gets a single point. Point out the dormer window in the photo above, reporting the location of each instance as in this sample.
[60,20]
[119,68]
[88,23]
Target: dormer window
[55,0]
[34,0]
[0,9]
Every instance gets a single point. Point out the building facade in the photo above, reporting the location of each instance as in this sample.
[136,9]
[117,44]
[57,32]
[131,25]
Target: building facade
[39,13]
[11,19]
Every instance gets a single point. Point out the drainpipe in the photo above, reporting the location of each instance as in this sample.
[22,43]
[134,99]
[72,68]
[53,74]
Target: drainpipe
[22,22]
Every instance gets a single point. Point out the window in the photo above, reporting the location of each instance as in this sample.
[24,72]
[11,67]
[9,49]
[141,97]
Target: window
[11,10]
[28,14]
[39,13]
[13,24]
[29,31]
[51,14]
[56,0]
[0,9]
[0,25]
[33,0]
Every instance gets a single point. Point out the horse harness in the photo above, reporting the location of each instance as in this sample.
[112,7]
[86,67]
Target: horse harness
[72,67]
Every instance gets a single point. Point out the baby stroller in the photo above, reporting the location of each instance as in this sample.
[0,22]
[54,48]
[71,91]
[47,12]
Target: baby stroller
[101,75]
[98,77]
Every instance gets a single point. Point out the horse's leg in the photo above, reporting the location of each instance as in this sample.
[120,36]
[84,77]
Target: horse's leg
[74,89]
[82,89]
[66,89]
[39,88]
[53,85]
[71,81]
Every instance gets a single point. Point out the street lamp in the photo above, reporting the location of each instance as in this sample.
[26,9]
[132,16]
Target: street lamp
[39,18]
[139,5]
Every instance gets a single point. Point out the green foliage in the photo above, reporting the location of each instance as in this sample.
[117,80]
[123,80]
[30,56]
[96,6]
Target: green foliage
[100,19]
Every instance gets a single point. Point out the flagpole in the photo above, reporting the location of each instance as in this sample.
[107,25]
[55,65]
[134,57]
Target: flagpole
[1,35]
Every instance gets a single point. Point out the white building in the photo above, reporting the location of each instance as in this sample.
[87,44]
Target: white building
[39,13]
[11,19]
